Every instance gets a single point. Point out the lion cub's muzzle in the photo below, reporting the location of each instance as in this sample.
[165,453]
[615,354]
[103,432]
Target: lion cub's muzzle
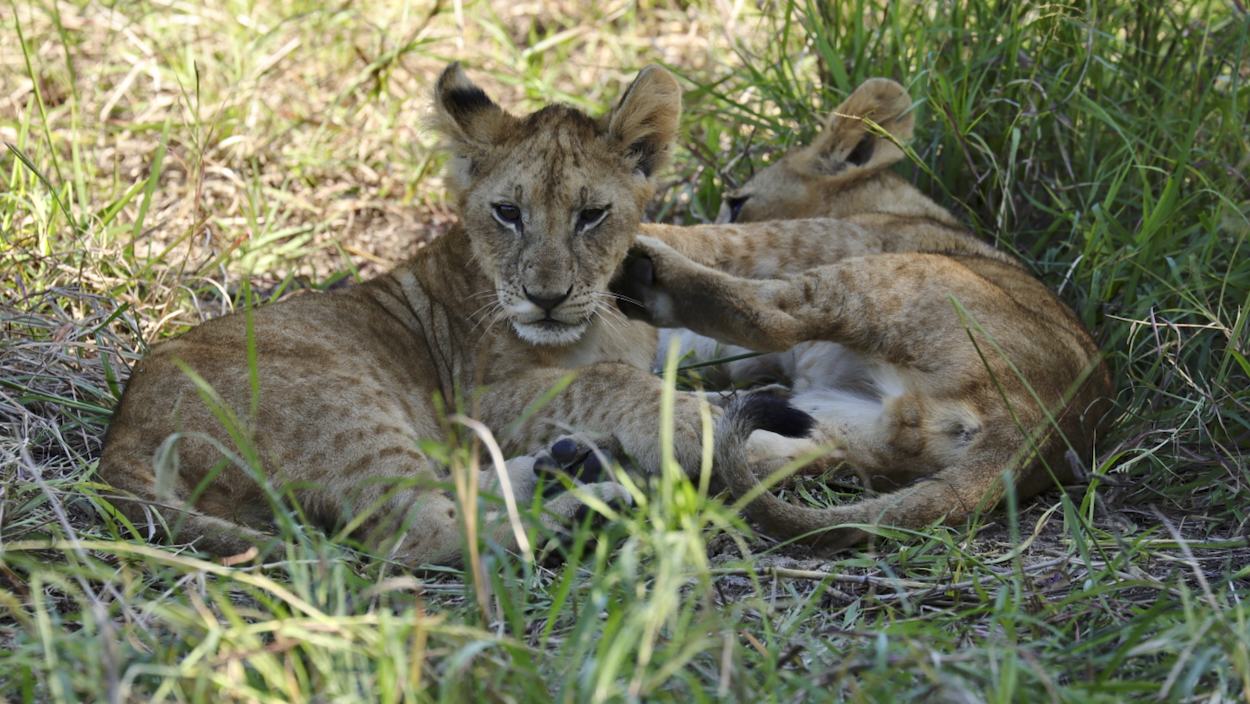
[543,317]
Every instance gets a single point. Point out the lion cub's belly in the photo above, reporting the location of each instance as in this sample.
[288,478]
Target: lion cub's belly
[868,414]
[696,349]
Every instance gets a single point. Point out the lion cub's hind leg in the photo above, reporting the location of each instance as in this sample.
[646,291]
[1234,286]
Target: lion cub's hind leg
[974,481]
[155,513]
[874,423]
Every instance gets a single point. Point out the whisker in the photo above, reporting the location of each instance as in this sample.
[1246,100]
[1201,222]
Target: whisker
[487,305]
[604,318]
[619,297]
[612,324]
[612,310]
[502,311]
[479,294]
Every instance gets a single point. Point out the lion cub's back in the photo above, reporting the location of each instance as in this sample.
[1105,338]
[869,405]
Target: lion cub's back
[321,359]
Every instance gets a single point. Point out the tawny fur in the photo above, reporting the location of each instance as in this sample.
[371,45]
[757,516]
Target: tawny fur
[935,407]
[347,379]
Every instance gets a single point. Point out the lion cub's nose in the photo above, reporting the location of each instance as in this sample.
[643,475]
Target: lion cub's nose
[547,303]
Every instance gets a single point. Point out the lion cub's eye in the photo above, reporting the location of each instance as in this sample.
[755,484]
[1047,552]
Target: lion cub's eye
[589,217]
[735,207]
[508,213]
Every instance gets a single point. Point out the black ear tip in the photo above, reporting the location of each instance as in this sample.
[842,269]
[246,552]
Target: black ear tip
[463,101]
[460,96]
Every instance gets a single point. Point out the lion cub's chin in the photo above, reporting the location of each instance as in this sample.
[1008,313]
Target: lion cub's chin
[549,332]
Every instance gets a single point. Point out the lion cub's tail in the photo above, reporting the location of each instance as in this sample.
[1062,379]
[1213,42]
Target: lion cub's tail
[743,416]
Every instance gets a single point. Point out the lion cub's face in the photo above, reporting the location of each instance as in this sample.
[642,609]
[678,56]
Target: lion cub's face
[552,201]
[827,177]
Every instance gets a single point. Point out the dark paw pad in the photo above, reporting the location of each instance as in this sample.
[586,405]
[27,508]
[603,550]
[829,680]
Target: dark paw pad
[642,271]
[595,467]
[566,452]
[631,288]
[591,470]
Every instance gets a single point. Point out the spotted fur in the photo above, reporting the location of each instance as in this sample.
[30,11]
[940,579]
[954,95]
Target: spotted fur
[493,315]
[935,364]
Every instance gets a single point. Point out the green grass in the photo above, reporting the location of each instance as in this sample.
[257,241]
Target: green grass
[162,154]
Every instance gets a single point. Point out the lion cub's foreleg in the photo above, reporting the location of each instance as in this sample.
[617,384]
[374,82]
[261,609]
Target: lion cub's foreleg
[607,397]
[626,401]
[770,250]
[893,308]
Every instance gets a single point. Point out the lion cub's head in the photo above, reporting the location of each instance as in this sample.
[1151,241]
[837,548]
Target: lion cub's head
[551,201]
[834,175]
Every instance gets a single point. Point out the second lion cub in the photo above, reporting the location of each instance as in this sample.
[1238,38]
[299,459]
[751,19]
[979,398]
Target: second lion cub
[935,364]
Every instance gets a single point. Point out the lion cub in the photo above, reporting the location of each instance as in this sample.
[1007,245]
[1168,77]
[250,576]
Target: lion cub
[506,305]
[935,364]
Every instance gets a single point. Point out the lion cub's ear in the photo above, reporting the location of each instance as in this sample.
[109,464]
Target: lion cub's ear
[468,120]
[643,125]
[462,112]
[849,141]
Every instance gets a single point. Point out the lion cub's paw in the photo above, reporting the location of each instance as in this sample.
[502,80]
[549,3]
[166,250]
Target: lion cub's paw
[585,502]
[614,497]
[564,513]
[651,268]
[654,250]
[585,458]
